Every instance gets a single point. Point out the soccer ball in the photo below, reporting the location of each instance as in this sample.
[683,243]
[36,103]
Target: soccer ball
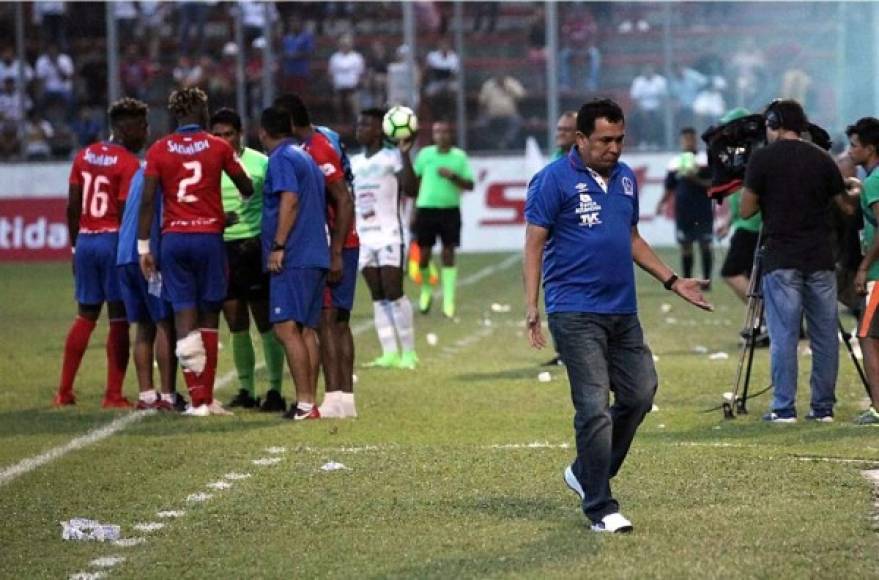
[400,123]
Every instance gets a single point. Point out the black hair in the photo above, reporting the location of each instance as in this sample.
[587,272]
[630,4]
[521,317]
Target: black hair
[185,102]
[127,108]
[275,121]
[598,109]
[786,114]
[297,112]
[374,113]
[688,131]
[867,130]
[227,116]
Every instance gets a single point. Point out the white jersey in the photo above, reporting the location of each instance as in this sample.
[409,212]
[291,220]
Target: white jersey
[377,197]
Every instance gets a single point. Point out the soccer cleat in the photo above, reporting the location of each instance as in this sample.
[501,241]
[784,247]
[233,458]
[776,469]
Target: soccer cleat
[244,399]
[216,408]
[200,411]
[63,400]
[573,484]
[408,361]
[116,403]
[820,417]
[180,403]
[773,417]
[868,417]
[425,301]
[296,414]
[163,406]
[274,402]
[386,361]
[614,523]
[144,406]
[449,311]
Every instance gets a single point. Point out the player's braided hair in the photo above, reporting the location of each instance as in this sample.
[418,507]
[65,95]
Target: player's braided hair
[184,102]
[127,108]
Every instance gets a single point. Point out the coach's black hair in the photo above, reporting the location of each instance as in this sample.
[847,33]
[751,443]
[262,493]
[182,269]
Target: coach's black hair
[127,108]
[275,121]
[227,116]
[786,114]
[296,110]
[598,109]
[688,131]
[373,112]
[867,130]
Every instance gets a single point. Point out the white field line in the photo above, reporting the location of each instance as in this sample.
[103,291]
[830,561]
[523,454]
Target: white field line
[98,434]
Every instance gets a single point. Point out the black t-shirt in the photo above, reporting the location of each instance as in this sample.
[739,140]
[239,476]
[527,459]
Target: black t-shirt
[693,207]
[795,182]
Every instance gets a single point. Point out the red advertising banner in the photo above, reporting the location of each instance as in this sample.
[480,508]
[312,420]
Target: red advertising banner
[33,229]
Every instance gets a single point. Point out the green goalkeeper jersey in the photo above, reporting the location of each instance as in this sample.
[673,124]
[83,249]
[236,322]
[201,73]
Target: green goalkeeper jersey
[869,197]
[250,212]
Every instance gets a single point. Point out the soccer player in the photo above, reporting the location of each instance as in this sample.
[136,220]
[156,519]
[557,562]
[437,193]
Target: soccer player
[248,282]
[443,172]
[380,175]
[145,307]
[336,340]
[188,165]
[99,181]
[294,242]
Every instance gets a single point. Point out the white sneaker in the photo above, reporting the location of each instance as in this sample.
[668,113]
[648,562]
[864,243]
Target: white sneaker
[216,408]
[573,484]
[614,523]
[346,403]
[200,411]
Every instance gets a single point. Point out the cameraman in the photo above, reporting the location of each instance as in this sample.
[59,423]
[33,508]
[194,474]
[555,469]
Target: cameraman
[792,182]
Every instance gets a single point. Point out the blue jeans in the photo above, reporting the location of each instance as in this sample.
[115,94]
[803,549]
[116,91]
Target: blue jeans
[604,353]
[786,295]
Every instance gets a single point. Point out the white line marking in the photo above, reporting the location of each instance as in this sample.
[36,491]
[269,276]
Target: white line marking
[129,542]
[266,461]
[198,497]
[87,576]
[235,476]
[533,445]
[171,514]
[100,433]
[149,526]
[276,450]
[220,485]
[107,561]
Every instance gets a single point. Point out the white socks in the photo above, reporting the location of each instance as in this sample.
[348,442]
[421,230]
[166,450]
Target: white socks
[148,397]
[401,310]
[338,405]
[384,326]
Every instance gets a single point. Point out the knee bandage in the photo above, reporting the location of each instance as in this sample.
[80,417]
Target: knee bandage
[191,353]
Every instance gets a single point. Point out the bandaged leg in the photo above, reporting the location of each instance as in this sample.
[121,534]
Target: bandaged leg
[191,352]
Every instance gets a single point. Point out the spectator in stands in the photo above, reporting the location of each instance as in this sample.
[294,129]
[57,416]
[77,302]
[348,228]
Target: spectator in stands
[253,17]
[684,87]
[126,14]
[796,83]
[10,145]
[193,14]
[486,12]
[88,126]
[13,108]
[55,75]
[346,69]
[710,103]
[748,65]
[376,78]
[51,22]
[579,57]
[649,91]
[135,72]
[9,65]
[188,73]
[499,98]
[537,46]
[36,134]
[441,71]
[297,48]
[149,25]
[403,81]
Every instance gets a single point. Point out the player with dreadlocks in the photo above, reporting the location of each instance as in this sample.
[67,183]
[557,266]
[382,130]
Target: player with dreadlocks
[98,186]
[188,165]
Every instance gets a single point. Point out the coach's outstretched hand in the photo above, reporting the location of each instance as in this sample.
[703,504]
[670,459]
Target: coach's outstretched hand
[535,330]
[690,289]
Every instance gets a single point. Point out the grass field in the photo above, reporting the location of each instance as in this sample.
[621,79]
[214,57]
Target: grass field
[452,471]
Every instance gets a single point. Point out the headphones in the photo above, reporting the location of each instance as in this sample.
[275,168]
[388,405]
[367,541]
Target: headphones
[774,118]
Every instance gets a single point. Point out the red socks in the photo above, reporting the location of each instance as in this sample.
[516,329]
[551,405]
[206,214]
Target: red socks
[118,347]
[74,349]
[210,338]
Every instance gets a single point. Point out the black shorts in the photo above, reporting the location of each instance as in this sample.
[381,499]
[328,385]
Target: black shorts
[740,258]
[247,280]
[693,231]
[444,223]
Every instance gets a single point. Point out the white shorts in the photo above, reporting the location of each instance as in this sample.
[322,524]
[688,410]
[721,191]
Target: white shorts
[381,256]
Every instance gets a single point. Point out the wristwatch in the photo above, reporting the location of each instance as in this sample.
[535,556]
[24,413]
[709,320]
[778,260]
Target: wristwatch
[276,247]
[670,282]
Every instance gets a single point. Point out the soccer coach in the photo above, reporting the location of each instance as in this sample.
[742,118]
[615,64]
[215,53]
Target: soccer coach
[792,182]
[582,229]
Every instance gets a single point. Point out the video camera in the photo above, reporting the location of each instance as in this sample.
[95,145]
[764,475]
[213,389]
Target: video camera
[731,144]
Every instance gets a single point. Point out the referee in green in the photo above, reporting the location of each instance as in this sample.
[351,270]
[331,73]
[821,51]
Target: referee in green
[248,288]
[443,172]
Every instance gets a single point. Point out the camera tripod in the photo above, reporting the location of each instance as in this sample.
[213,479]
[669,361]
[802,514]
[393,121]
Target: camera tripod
[735,402]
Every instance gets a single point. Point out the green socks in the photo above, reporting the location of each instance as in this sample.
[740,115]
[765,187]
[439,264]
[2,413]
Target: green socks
[449,279]
[274,354]
[245,359]
[426,291]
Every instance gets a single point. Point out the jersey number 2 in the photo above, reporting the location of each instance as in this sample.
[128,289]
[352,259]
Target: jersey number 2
[98,195]
[195,168]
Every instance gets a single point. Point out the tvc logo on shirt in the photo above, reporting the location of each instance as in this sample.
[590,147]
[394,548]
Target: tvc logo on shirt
[589,211]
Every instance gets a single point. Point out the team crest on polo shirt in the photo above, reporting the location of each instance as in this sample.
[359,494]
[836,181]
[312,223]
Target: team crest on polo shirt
[628,186]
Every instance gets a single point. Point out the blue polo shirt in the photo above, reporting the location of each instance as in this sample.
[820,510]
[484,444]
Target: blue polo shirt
[291,169]
[126,252]
[587,260]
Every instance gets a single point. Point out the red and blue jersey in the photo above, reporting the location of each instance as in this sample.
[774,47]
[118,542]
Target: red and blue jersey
[104,171]
[587,260]
[321,149]
[189,164]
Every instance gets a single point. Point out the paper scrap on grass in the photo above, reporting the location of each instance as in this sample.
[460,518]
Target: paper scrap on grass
[655,358]
[665,308]
[671,320]
[333,466]
[495,307]
[220,485]
[107,561]
[266,461]
[87,576]
[149,526]
[235,476]
[89,530]
[718,356]
[276,450]
[171,514]
[198,497]
[544,377]
[432,339]
[700,349]
[129,542]
[654,408]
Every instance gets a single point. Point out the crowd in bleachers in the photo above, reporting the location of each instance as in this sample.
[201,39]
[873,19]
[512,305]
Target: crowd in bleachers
[345,56]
